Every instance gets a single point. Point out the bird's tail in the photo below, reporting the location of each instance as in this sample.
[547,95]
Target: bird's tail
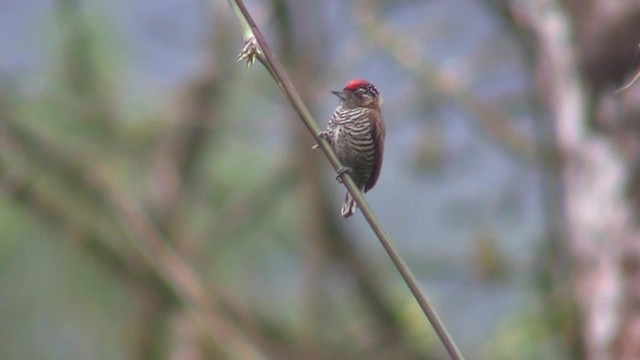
[349,206]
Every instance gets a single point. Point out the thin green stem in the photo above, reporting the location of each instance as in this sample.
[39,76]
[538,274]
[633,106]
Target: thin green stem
[268,59]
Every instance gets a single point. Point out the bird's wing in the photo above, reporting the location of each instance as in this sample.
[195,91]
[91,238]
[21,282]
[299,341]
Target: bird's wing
[377,133]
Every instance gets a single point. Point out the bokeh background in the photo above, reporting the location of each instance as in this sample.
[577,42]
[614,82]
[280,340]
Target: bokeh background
[161,201]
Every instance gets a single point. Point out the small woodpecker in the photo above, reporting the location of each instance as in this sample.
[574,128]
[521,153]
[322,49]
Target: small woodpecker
[356,133]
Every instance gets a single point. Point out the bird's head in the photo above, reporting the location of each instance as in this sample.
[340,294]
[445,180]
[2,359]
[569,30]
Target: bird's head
[359,93]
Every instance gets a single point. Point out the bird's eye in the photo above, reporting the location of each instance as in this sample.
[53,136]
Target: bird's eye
[360,91]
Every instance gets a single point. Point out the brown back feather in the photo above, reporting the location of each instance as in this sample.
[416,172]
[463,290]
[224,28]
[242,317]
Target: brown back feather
[378,133]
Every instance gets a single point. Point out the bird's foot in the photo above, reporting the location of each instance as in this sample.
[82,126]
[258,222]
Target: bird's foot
[341,171]
[321,135]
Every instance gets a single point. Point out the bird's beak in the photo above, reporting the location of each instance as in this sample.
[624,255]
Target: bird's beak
[340,94]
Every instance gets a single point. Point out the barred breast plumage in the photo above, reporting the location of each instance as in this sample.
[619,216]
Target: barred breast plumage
[353,142]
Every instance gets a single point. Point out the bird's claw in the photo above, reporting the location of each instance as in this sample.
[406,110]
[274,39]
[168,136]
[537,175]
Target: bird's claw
[342,171]
[321,135]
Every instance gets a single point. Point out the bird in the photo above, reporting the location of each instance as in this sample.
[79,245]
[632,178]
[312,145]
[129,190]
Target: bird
[356,133]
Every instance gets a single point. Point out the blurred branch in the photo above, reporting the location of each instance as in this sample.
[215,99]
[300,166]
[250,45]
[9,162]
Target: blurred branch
[177,273]
[21,188]
[257,47]
[174,274]
[554,262]
[603,243]
[176,159]
[45,153]
[81,72]
[252,208]
[194,125]
[175,166]
[128,268]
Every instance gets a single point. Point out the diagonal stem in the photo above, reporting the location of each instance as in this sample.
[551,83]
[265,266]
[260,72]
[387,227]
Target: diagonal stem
[267,58]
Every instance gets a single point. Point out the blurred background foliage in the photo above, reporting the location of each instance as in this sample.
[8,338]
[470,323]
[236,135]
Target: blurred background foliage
[160,201]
